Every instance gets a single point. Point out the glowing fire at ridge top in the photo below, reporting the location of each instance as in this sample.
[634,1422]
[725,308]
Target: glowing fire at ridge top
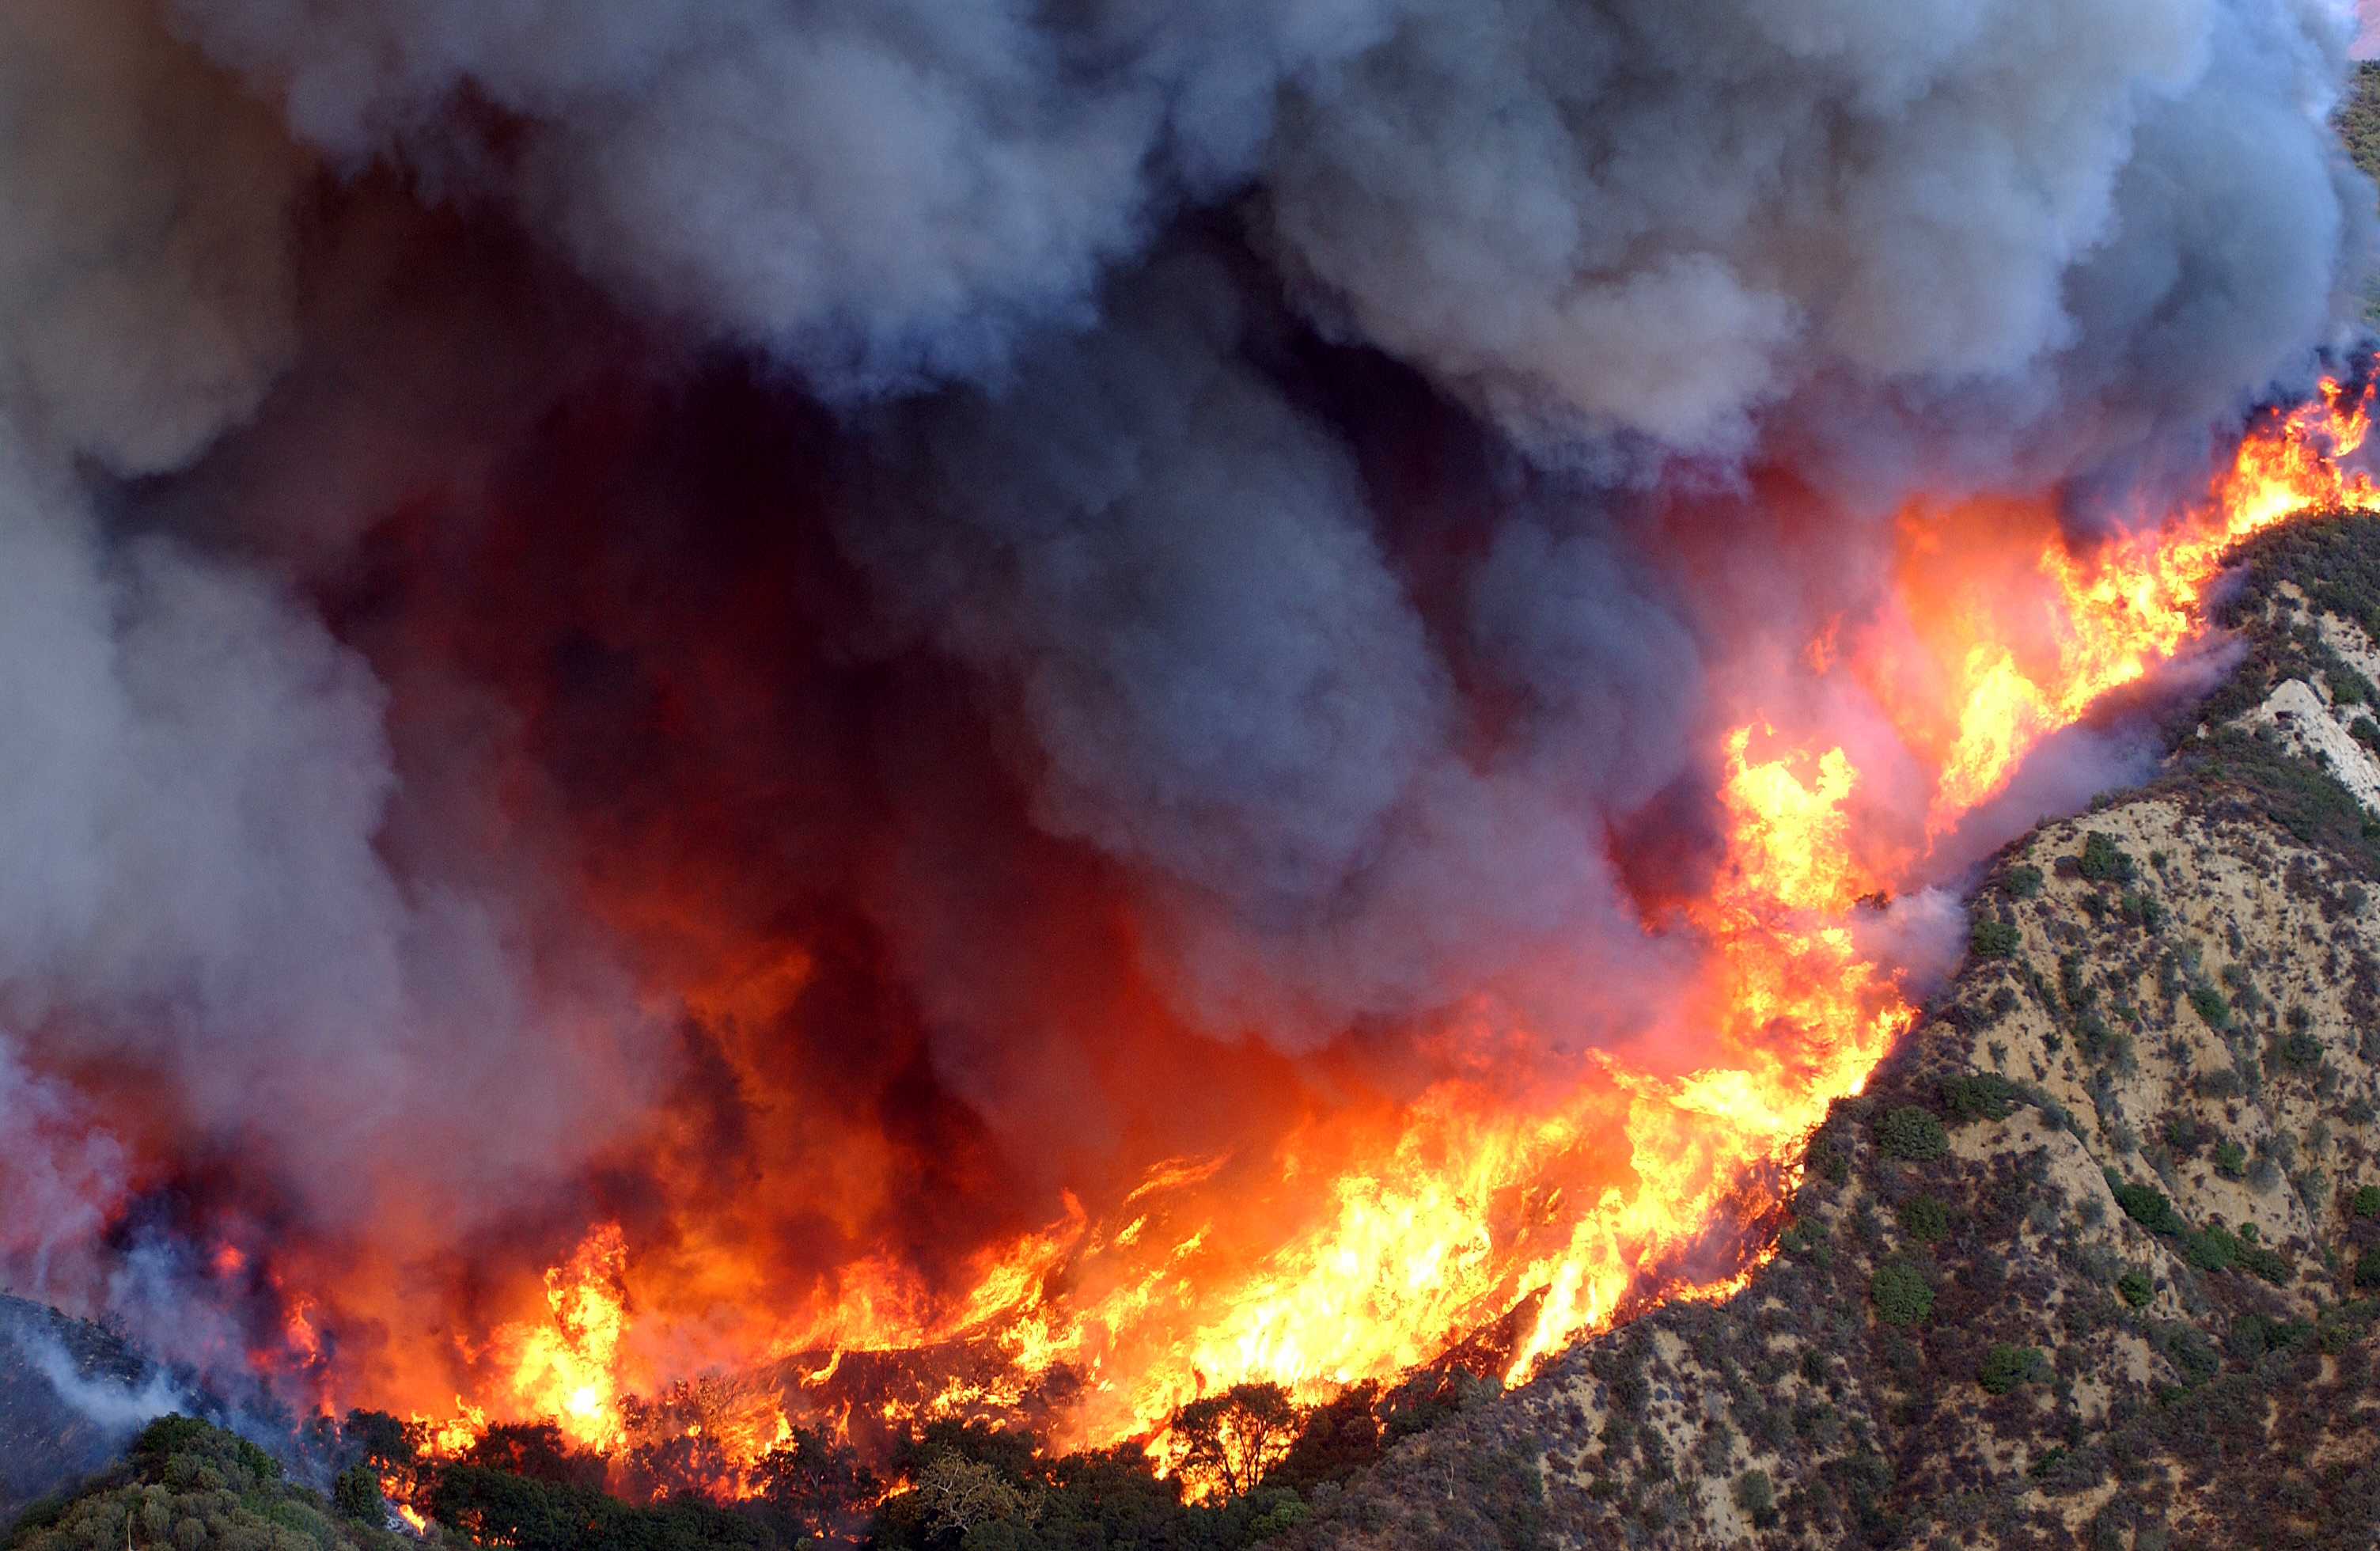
[2019,635]
[1467,1208]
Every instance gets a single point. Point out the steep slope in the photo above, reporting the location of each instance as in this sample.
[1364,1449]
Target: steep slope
[71,1398]
[2081,1266]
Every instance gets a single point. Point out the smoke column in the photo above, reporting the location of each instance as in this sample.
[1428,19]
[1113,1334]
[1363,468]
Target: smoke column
[819,630]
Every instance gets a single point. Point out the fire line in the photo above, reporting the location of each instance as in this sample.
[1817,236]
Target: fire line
[1469,1208]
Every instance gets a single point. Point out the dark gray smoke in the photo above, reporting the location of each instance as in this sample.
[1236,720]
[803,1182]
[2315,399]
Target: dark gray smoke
[1173,579]
[1333,441]
[1589,218]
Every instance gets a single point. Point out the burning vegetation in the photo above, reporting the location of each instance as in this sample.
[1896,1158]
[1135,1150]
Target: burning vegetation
[1129,1358]
[1513,1226]
[775,771]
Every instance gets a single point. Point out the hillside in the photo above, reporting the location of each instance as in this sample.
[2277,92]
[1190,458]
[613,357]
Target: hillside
[188,1485]
[2095,1259]
[45,1440]
[2359,118]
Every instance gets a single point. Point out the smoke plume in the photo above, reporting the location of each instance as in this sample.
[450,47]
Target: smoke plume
[813,628]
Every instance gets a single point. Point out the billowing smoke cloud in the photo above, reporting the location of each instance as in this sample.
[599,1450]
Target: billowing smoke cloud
[793,623]
[1589,218]
[1174,578]
[145,264]
[64,1174]
[196,773]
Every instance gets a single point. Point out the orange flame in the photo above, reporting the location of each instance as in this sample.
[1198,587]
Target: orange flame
[566,1369]
[1378,1236]
[2009,636]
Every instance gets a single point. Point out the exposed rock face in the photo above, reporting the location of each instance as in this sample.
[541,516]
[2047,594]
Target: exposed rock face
[2081,1267]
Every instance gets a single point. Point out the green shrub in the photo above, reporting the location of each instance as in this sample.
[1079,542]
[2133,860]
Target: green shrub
[2245,998]
[1899,1293]
[2101,862]
[2218,1249]
[1923,1218]
[1979,1096]
[2005,1367]
[2230,1160]
[2365,1202]
[2135,1288]
[1993,939]
[1277,1519]
[1756,1495]
[2145,1204]
[1833,1162]
[497,1507]
[1913,1134]
[2209,1003]
[2301,1050]
[2023,880]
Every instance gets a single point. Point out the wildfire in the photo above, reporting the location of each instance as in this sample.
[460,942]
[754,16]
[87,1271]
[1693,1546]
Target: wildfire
[1390,1231]
[2008,636]
[567,1368]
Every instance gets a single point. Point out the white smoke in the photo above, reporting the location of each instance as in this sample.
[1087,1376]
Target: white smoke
[62,1173]
[145,258]
[112,1404]
[882,194]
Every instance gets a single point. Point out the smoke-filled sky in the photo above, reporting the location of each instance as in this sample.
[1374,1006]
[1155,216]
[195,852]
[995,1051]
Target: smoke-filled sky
[805,625]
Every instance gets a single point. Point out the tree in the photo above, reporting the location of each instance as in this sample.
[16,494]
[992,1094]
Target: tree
[956,1494]
[1756,1495]
[356,1493]
[1229,1441]
[2101,862]
[2004,1367]
[816,1482]
[1994,940]
[536,1449]
[1338,1438]
[1925,1219]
